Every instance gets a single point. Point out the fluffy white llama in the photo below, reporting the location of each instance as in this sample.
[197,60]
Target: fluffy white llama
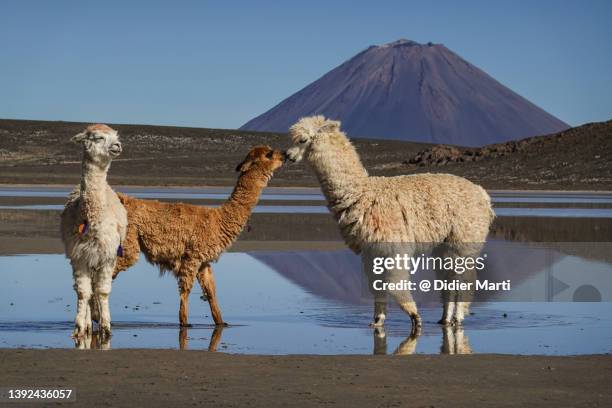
[93,225]
[424,208]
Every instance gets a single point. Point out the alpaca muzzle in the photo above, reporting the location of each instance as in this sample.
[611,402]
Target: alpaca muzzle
[115,149]
[293,155]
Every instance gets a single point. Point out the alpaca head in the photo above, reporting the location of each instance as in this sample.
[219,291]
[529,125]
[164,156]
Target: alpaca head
[100,143]
[306,132]
[262,158]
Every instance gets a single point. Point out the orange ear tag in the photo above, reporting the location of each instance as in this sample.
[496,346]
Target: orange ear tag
[82,228]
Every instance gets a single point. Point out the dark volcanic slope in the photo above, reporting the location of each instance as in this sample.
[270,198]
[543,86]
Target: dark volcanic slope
[413,92]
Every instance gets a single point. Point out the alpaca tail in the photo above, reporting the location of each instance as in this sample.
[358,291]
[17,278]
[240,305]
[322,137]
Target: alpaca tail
[489,205]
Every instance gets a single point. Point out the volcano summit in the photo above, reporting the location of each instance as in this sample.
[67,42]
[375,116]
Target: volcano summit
[413,92]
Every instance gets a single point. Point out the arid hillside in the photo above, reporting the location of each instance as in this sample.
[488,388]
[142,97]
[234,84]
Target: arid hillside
[39,152]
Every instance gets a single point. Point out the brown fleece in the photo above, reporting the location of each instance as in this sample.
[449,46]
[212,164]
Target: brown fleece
[185,239]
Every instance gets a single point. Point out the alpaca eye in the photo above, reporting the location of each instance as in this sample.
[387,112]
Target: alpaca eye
[302,141]
[269,155]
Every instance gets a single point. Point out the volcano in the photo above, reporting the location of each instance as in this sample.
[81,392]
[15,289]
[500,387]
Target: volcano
[413,92]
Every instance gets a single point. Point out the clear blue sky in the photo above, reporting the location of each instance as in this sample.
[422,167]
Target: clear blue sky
[218,64]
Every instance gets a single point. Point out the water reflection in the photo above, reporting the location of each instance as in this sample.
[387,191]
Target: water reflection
[318,302]
[545,272]
[92,341]
[215,338]
[95,341]
[453,341]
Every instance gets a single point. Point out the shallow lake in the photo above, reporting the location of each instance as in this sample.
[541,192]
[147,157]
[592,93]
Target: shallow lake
[296,301]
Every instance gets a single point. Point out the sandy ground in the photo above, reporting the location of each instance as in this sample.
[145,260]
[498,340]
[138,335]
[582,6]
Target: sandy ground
[164,378]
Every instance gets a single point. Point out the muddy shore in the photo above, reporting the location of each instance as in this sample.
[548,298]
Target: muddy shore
[163,378]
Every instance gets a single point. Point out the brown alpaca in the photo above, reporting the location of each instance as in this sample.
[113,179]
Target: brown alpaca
[185,238]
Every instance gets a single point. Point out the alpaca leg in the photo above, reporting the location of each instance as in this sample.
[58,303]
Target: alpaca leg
[207,282]
[461,309]
[380,312]
[456,302]
[88,320]
[448,312]
[83,343]
[410,308]
[95,310]
[82,286]
[185,284]
[404,298]
[102,289]
[131,251]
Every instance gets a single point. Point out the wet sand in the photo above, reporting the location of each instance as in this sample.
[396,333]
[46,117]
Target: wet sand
[162,378]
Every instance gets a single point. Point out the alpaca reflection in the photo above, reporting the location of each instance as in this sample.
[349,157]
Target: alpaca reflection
[215,338]
[456,302]
[406,347]
[454,341]
[92,341]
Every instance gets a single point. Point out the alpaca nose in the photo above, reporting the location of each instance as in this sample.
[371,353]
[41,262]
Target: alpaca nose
[116,147]
[284,155]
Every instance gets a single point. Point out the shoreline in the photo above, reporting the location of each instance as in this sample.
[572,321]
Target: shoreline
[282,188]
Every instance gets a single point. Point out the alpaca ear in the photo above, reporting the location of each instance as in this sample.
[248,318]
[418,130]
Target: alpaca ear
[79,138]
[330,126]
[244,166]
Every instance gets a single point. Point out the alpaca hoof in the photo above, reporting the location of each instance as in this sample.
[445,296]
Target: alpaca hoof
[377,324]
[105,332]
[222,324]
[445,322]
[78,332]
[185,325]
[416,321]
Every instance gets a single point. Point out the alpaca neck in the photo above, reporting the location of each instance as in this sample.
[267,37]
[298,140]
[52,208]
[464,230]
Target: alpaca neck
[236,211]
[93,189]
[339,171]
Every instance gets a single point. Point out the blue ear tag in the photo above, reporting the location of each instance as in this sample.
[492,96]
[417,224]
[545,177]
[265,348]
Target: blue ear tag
[120,250]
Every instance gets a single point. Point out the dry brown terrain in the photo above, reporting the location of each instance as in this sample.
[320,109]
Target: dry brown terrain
[167,378]
[37,152]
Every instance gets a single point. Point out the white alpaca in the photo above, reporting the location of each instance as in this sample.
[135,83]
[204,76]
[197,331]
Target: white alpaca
[93,226]
[425,208]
